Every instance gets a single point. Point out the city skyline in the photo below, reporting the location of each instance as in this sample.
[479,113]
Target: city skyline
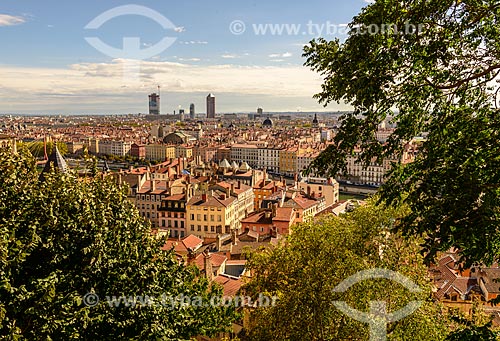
[244,70]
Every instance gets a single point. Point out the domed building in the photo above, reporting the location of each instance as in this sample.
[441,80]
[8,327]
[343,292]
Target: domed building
[268,123]
[176,138]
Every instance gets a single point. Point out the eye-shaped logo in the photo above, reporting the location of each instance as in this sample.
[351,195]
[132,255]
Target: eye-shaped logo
[131,45]
[378,317]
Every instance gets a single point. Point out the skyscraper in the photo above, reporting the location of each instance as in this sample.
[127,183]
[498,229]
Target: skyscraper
[154,104]
[210,106]
[192,112]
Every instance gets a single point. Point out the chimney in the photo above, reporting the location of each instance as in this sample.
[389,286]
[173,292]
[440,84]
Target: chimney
[268,214]
[274,210]
[234,237]
[232,189]
[219,242]
[223,196]
[153,185]
[239,184]
[204,197]
[179,160]
[207,262]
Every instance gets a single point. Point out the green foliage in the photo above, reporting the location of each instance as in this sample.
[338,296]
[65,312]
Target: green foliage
[305,269]
[65,237]
[37,148]
[477,328]
[437,70]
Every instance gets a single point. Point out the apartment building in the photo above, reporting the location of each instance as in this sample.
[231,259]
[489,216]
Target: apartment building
[244,198]
[172,215]
[205,154]
[160,152]
[210,214]
[263,189]
[185,151]
[119,148]
[288,160]
[268,158]
[321,187]
[304,159]
[248,153]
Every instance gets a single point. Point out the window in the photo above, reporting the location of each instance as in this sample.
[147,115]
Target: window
[192,216]
[206,228]
[199,227]
[219,218]
[212,229]
[212,217]
[192,227]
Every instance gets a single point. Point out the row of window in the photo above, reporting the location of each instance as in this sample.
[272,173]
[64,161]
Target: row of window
[213,229]
[176,223]
[205,217]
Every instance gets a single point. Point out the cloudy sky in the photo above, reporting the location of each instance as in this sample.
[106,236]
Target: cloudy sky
[248,53]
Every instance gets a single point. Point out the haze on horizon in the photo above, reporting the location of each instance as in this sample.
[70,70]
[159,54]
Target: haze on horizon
[48,67]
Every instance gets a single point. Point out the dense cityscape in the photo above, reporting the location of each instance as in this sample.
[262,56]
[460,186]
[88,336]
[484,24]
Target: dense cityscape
[375,218]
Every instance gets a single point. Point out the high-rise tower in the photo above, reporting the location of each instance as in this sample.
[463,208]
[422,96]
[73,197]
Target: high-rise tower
[210,106]
[192,111]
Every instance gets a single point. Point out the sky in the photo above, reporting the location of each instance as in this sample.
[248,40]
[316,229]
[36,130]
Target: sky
[247,53]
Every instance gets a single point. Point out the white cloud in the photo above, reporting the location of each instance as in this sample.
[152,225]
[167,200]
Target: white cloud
[97,82]
[11,20]
[194,42]
[281,55]
[189,59]
[370,1]
[276,60]
[180,29]
[229,56]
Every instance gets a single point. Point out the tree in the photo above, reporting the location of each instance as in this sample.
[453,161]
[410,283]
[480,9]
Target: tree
[303,271]
[430,67]
[65,237]
[37,148]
